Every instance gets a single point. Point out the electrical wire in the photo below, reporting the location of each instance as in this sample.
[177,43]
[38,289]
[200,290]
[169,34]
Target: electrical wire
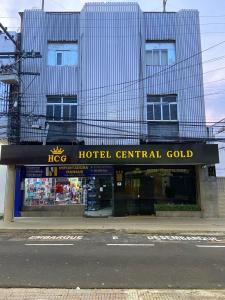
[126,82]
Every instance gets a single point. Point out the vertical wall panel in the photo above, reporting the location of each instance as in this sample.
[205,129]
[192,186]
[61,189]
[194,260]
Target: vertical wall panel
[111,79]
[111,55]
[38,28]
[185,77]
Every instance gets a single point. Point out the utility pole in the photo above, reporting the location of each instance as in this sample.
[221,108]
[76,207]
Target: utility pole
[164,5]
[43,5]
[7,34]
[14,101]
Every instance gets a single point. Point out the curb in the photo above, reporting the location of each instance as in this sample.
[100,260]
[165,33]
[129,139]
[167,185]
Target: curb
[110,231]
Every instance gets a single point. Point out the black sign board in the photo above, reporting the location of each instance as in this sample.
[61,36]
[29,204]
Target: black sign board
[155,154]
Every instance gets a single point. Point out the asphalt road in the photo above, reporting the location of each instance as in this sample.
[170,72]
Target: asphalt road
[109,261]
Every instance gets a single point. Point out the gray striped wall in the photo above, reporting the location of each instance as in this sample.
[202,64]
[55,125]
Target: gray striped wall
[111,41]
[6,45]
[185,79]
[110,50]
[38,28]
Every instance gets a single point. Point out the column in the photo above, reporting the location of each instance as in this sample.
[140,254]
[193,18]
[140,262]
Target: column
[9,193]
[207,192]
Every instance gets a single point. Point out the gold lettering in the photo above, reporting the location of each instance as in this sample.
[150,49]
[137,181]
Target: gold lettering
[88,154]
[51,158]
[190,153]
[124,154]
[63,158]
[182,155]
[81,154]
[130,154]
[176,154]
[95,153]
[56,158]
[144,154]
[179,153]
[137,152]
[151,154]
[102,154]
[158,155]
[118,154]
[169,154]
[108,155]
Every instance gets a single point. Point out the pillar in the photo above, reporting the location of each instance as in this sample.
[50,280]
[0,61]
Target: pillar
[9,193]
[207,192]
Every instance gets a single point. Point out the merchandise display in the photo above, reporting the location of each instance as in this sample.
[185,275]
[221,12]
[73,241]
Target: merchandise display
[92,192]
[53,191]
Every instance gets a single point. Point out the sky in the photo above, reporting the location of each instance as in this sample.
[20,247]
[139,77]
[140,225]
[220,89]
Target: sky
[212,20]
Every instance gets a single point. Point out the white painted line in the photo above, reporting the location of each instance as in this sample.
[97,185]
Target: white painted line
[182,238]
[210,246]
[150,245]
[49,244]
[115,237]
[55,237]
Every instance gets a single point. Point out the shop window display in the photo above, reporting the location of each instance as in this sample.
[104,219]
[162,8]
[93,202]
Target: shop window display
[53,191]
[95,193]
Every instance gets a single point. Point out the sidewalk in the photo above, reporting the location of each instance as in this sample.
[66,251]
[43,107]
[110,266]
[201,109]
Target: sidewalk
[64,294]
[131,224]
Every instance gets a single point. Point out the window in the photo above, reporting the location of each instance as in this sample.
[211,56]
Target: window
[61,108]
[62,54]
[160,53]
[162,108]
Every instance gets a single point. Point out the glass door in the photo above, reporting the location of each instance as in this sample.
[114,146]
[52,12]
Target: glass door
[99,196]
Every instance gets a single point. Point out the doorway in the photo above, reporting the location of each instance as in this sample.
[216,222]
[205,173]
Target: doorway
[98,194]
[139,190]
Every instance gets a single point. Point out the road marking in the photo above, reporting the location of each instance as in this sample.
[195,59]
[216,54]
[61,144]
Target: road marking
[210,246]
[49,244]
[56,237]
[115,237]
[151,245]
[182,238]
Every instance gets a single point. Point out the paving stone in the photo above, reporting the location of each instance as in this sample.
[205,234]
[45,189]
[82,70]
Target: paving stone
[106,294]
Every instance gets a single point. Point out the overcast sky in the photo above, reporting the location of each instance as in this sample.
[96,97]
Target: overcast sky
[212,20]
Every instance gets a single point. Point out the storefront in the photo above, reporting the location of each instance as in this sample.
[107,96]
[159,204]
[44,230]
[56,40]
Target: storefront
[71,185]
[106,180]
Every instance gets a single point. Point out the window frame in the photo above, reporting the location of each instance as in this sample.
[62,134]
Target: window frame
[161,103]
[62,51]
[62,104]
[160,48]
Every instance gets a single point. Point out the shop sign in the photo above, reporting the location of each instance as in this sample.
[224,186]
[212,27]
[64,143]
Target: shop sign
[57,156]
[155,154]
[67,171]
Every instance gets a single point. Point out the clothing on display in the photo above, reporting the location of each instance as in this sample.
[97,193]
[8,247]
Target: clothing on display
[52,191]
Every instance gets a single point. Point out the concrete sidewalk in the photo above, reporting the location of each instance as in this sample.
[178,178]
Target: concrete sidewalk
[73,294]
[131,224]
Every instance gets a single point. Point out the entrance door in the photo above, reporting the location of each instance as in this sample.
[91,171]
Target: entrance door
[99,194]
[146,195]
[139,191]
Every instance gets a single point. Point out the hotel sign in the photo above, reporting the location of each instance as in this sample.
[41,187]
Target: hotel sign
[155,154]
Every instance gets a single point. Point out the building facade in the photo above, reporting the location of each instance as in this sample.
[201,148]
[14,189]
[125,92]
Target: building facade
[114,122]
[5,85]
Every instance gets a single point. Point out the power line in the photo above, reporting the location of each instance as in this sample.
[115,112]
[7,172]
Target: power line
[126,82]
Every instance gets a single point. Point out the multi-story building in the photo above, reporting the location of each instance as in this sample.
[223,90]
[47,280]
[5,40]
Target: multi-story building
[6,68]
[114,124]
